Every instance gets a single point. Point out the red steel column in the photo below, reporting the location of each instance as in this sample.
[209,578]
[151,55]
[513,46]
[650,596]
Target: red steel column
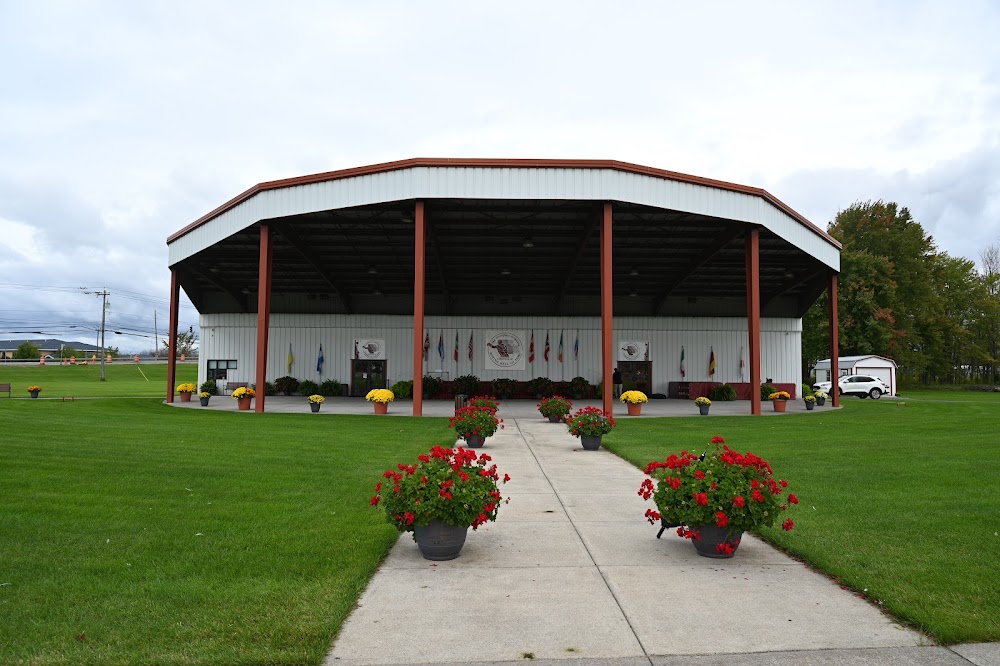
[607,347]
[418,310]
[263,312]
[172,336]
[834,344]
[753,317]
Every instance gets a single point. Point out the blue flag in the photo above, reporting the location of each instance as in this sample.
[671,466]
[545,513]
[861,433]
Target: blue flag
[441,345]
[319,361]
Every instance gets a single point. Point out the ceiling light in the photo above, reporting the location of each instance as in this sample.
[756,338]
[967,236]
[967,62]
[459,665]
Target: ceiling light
[406,217]
[528,242]
[377,292]
[504,271]
[634,272]
[372,270]
[633,294]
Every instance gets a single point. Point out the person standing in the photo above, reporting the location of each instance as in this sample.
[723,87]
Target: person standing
[616,379]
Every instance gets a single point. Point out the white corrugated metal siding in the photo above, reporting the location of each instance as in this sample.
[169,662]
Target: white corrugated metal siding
[504,183]
[234,337]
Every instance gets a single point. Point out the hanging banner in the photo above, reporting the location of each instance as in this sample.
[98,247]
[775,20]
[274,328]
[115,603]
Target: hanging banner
[633,350]
[504,350]
[372,349]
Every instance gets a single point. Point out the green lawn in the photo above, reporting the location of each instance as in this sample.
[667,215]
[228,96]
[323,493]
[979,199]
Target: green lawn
[168,536]
[122,379]
[899,503]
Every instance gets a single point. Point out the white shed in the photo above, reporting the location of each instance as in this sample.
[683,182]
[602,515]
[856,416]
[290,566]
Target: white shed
[877,366]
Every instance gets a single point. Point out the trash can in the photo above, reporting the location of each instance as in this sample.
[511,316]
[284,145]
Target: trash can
[459,401]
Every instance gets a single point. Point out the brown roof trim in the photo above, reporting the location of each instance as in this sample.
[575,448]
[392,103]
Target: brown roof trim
[502,163]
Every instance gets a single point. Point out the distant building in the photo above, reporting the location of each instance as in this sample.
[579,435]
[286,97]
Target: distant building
[46,347]
[867,364]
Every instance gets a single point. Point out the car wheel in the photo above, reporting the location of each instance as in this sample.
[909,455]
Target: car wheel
[875,394]
[862,395]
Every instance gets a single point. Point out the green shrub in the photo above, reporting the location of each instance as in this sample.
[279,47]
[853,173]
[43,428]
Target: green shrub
[286,384]
[766,390]
[330,387]
[541,387]
[504,387]
[209,387]
[403,388]
[268,388]
[806,390]
[432,386]
[723,392]
[307,387]
[579,388]
[467,385]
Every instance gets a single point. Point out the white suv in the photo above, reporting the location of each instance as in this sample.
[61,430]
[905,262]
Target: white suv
[863,386]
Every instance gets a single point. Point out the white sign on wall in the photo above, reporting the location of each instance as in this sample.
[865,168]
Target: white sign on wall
[372,349]
[633,350]
[505,350]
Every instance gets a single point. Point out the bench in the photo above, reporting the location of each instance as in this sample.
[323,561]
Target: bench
[5,387]
[232,386]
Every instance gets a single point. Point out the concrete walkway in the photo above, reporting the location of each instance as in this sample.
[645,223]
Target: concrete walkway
[572,571]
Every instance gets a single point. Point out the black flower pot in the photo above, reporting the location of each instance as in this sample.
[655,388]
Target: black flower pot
[810,406]
[820,401]
[703,409]
[555,419]
[591,443]
[314,406]
[474,441]
[714,541]
[204,402]
[440,541]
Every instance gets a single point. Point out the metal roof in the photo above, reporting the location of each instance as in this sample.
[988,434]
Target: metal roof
[851,361]
[504,237]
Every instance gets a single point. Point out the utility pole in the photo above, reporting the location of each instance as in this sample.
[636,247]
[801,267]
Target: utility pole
[104,311]
[156,337]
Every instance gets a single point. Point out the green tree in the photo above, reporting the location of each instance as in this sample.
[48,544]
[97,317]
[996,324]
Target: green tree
[185,343]
[27,350]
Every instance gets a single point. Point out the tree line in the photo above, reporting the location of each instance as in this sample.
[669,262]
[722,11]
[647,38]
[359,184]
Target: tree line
[937,316]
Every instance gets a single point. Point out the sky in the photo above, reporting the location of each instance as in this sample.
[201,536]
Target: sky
[123,121]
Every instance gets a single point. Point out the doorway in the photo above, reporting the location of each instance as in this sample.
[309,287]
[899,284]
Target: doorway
[637,375]
[366,375]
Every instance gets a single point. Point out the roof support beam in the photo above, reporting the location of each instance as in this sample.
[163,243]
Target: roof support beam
[172,335]
[418,309]
[314,260]
[723,239]
[438,265]
[753,316]
[595,222]
[265,266]
[607,307]
[834,343]
[207,276]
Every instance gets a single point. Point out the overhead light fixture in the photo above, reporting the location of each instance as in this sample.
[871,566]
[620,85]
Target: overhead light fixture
[504,271]
[372,270]
[377,292]
[528,242]
[633,294]
[406,217]
[634,271]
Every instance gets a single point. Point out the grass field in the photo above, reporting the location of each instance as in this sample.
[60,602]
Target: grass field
[134,533]
[122,379]
[901,504]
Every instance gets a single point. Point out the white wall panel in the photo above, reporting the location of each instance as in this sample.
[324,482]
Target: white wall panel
[505,183]
[234,336]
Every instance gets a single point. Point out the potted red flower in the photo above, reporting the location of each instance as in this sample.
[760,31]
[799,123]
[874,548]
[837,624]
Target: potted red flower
[555,408]
[715,497]
[475,424]
[590,424]
[440,497]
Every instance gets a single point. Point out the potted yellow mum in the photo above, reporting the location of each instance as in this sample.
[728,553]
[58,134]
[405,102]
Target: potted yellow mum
[381,399]
[634,400]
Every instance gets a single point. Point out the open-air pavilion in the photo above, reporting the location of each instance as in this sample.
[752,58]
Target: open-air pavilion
[606,256]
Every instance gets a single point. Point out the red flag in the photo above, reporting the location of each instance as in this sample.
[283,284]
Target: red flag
[531,349]
[470,345]
[560,347]
[546,346]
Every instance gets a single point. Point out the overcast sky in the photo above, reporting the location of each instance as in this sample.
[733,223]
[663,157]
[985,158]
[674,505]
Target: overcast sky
[121,122]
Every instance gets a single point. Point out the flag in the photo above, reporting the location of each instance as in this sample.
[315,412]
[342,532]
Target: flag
[560,347]
[576,347]
[441,345]
[711,362]
[290,358]
[456,347]
[470,345]
[546,354]
[427,344]
[531,349]
[319,361]
[742,365]
[683,369]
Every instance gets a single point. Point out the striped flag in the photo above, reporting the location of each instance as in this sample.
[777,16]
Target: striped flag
[711,362]
[547,348]
[560,346]
[531,349]
[470,345]
[456,347]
